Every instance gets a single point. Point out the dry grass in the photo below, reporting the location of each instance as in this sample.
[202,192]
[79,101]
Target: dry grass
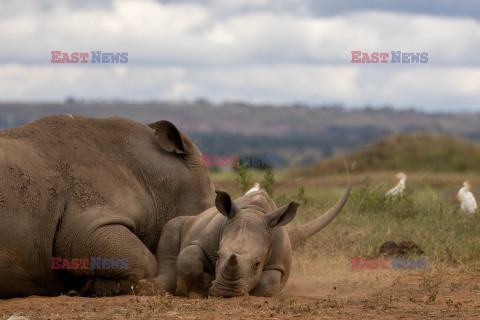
[408,152]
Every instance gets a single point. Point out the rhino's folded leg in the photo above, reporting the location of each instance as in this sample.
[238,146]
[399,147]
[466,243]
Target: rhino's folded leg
[167,253]
[268,285]
[195,272]
[117,258]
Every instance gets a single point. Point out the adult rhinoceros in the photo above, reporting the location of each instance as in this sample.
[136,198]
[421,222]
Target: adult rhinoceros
[79,188]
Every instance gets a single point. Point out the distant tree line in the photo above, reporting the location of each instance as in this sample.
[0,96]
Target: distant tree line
[290,146]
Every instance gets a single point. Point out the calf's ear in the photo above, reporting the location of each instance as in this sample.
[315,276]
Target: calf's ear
[170,138]
[281,216]
[226,205]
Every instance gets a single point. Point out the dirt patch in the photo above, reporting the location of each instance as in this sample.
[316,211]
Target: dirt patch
[341,293]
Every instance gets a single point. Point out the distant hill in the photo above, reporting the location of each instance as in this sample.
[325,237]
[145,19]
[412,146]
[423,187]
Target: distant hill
[296,134]
[251,119]
[408,152]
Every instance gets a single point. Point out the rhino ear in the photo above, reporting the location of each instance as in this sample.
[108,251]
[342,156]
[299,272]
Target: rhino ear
[225,205]
[281,216]
[170,138]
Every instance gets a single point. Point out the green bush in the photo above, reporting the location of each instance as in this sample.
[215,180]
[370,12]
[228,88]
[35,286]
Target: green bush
[243,177]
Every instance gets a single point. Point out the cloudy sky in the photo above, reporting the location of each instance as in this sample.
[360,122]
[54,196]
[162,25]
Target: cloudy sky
[274,51]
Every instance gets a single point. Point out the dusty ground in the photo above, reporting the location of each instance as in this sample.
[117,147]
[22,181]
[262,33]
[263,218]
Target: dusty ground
[342,293]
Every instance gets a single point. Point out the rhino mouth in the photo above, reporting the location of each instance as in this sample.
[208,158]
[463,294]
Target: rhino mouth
[223,288]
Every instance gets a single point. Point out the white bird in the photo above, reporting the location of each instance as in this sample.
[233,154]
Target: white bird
[468,204]
[399,185]
[256,187]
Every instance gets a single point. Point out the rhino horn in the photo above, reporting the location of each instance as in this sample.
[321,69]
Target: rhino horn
[299,235]
[232,264]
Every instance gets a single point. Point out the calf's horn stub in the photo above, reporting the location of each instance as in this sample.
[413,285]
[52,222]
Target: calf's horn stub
[232,263]
[299,235]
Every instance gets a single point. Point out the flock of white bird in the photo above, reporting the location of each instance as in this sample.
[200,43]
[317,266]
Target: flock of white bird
[468,204]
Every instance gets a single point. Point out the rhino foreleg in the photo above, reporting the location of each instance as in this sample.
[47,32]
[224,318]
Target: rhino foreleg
[268,285]
[195,272]
[167,253]
[107,244]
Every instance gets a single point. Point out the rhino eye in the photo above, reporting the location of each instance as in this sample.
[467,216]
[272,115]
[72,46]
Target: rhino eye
[256,265]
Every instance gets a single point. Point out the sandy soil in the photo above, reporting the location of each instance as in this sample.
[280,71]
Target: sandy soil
[342,293]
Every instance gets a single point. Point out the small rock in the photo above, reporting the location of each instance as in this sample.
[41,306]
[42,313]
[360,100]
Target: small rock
[409,248]
[404,248]
[389,248]
[72,293]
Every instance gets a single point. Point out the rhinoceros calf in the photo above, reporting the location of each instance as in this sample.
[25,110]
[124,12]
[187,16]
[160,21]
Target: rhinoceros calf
[76,188]
[232,249]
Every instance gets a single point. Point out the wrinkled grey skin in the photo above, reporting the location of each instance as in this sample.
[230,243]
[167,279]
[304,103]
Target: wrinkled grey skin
[233,249]
[75,187]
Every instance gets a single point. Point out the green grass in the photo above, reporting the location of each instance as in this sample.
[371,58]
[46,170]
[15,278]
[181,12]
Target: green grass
[427,214]
[446,235]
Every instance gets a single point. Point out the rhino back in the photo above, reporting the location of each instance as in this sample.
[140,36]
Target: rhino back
[82,161]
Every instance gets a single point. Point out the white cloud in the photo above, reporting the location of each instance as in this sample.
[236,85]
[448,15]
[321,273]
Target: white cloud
[190,33]
[266,53]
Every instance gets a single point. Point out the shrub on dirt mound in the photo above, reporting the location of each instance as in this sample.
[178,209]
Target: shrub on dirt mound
[409,152]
